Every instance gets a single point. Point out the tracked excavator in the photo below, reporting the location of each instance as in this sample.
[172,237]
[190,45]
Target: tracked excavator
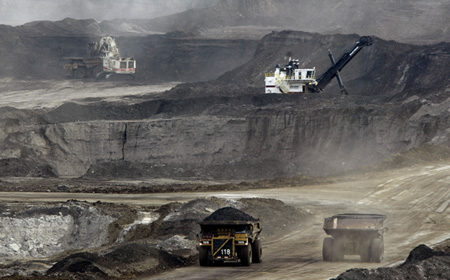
[104,61]
[292,80]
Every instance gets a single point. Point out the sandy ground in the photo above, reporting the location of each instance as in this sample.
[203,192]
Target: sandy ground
[415,200]
[32,94]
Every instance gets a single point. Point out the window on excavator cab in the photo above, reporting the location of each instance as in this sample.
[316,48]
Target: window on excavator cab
[123,64]
[131,64]
[310,74]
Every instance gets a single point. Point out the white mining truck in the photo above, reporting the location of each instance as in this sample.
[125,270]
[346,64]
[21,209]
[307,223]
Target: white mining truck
[292,80]
[354,234]
[104,60]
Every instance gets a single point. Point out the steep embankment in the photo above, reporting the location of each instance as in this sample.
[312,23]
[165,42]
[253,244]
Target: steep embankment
[248,136]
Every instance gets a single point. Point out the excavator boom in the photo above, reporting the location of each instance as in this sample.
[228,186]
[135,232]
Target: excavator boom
[334,70]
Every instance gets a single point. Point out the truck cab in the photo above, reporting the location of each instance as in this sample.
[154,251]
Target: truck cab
[229,241]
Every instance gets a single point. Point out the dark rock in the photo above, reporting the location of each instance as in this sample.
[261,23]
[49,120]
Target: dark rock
[230,214]
[422,252]
[422,263]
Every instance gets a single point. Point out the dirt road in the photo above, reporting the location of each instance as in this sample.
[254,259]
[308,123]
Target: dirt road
[32,94]
[415,200]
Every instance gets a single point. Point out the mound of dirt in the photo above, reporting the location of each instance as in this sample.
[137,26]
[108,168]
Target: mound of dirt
[421,253]
[15,167]
[230,214]
[183,220]
[277,218]
[78,263]
[125,261]
[422,263]
[443,246]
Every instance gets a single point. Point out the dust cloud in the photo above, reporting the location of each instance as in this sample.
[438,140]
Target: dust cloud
[17,12]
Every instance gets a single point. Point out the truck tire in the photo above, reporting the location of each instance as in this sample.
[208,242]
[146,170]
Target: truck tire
[68,72]
[80,73]
[327,249]
[364,250]
[203,256]
[338,250]
[98,72]
[257,251]
[246,255]
[377,250]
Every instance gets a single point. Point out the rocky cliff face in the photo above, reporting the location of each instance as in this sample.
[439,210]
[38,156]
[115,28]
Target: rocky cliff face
[229,137]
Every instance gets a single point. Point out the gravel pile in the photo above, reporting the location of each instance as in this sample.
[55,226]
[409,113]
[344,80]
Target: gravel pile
[422,263]
[40,232]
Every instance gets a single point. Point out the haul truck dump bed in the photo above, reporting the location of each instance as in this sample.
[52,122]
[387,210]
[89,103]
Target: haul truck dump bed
[354,234]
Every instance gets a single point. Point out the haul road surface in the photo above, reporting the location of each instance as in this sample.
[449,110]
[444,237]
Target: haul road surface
[415,200]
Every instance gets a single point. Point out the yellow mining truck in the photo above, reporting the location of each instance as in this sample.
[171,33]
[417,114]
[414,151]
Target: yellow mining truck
[230,241]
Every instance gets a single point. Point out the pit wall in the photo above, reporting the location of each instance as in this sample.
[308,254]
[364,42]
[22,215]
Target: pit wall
[263,143]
